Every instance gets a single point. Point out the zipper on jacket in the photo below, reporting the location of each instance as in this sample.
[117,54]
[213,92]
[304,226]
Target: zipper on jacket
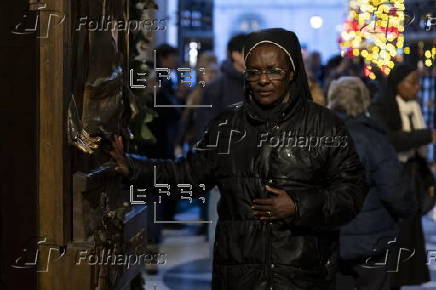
[268,253]
[269,260]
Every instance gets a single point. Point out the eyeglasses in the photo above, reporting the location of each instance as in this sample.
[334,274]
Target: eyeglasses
[274,74]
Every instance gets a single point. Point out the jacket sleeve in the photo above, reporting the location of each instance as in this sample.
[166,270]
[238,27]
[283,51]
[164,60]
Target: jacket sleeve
[341,196]
[386,175]
[195,169]
[401,140]
[404,141]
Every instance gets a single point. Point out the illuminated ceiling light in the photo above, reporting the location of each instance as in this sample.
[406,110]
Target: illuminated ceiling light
[193,53]
[316,22]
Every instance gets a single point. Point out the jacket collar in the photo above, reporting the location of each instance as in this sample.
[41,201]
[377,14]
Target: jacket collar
[363,118]
[277,114]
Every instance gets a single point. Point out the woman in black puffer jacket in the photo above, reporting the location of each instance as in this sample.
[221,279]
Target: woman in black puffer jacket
[287,171]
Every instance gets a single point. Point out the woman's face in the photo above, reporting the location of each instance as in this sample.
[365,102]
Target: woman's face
[210,74]
[266,57]
[409,87]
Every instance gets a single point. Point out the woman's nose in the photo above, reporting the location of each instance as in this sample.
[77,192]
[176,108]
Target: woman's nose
[263,79]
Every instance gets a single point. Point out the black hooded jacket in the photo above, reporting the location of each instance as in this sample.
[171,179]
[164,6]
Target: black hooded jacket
[303,149]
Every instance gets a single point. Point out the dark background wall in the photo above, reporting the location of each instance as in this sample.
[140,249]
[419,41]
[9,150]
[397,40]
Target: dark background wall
[18,151]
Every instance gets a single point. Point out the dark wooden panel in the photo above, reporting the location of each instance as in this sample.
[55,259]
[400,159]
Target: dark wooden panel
[18,196]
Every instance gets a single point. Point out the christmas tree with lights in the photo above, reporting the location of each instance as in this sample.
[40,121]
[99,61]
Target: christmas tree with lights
[374,30]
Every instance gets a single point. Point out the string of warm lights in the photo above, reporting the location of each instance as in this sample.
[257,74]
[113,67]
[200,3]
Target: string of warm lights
[374,30]
[427,55]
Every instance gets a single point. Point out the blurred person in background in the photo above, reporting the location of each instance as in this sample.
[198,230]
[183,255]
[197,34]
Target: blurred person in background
[316,91]
[223,92]
[207,61]
[333,70]
[315,76]
[165,128]
[314,67]
[332,63]
[398,110]
[227,89]
[367,236]
[339,66]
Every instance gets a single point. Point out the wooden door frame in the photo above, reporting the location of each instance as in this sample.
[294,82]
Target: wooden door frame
[54,206]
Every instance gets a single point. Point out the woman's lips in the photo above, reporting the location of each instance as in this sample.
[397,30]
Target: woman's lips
[264,93]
